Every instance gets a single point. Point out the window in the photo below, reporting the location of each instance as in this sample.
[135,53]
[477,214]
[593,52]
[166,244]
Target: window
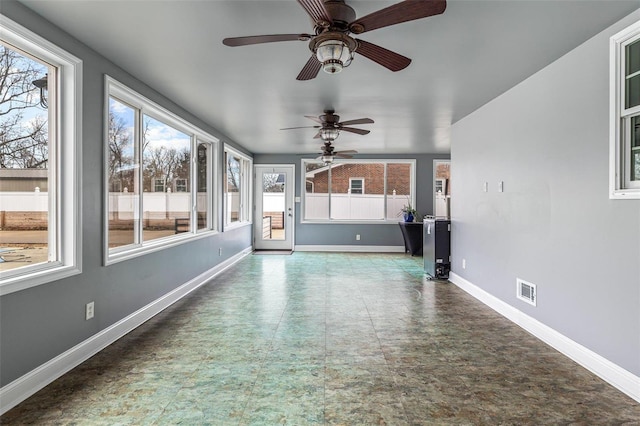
[237,187]
[157,184]
[625,113]
[40,153]
[181,185]
[154,155]
[337,191]
[356,186]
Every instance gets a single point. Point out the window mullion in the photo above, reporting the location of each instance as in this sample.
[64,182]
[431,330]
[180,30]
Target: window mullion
[138,215]
[54,173]
[193,175]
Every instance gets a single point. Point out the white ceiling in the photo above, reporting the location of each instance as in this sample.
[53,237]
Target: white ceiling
[462,59]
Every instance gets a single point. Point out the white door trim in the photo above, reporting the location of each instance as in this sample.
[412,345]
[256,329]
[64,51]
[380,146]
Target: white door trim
[289,214]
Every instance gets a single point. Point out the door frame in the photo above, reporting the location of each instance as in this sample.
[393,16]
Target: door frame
[290,218]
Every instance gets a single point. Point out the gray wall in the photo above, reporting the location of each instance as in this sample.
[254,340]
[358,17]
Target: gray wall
[371,235]
[39,323]
[554,225]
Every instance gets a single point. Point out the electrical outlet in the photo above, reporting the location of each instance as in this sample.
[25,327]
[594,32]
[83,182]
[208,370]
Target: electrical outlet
[89,310]
[464,263]
[500,186]
[357,237]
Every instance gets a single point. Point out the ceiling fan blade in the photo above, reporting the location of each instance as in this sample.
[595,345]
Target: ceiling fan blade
[354,130]
[302,127]
[310,70]
[317,136]
[317,11]
[314,118]
[346,152]
[341,155]
[245,41]
[388,59]
[408,10]
[358,121]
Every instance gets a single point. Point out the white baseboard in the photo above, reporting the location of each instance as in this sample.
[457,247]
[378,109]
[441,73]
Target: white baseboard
[600,366]
[23,387]
[351,248]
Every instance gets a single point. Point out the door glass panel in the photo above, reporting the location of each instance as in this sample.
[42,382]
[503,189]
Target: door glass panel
[273,206]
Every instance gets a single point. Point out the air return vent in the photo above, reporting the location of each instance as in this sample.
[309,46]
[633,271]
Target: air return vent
[527,292]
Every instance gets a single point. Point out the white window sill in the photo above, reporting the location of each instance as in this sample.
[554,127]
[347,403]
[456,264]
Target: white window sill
[625,194]
[236,225]
[47,274]
[353,222]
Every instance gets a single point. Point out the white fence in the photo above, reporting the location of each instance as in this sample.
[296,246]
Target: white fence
[352,206]
[24,201]
[157,204]
[273,202]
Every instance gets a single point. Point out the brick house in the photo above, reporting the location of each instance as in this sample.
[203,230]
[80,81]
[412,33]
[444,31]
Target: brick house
[360,178]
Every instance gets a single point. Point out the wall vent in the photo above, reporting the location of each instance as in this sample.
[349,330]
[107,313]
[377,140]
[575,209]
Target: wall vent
[527,292]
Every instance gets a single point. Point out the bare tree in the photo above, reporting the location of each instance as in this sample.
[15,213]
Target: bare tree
[270,182]
[165,163]
[233,174]
[23,142]
[121,153]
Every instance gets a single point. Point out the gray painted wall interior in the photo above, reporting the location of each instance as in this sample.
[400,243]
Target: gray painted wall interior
[371,234]
[41,322]
[554,225]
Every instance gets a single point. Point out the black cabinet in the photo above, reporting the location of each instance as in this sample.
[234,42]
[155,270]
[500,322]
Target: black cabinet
[412,235]
[437,247]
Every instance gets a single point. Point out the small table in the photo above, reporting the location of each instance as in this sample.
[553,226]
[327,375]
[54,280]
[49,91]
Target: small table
[412,235]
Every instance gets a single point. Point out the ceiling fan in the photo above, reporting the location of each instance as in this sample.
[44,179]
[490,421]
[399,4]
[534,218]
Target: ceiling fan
[332,46]
[330,126]
[328,154]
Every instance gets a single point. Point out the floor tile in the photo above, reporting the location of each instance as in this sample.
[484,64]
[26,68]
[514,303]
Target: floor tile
[327,339]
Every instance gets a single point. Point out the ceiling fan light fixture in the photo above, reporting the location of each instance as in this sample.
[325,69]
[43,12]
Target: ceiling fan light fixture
[327,159]
[334,55]
[329,134]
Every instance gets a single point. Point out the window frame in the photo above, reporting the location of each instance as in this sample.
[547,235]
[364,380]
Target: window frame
[180,183]
[143,106]
[155,182]
[620,185]
[65,161]
[246,189]
[386,162]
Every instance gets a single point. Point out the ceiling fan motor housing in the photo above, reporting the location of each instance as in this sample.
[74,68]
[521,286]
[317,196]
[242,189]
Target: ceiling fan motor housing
[341,14]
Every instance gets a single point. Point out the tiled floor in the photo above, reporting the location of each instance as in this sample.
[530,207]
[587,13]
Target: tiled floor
[328,338]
